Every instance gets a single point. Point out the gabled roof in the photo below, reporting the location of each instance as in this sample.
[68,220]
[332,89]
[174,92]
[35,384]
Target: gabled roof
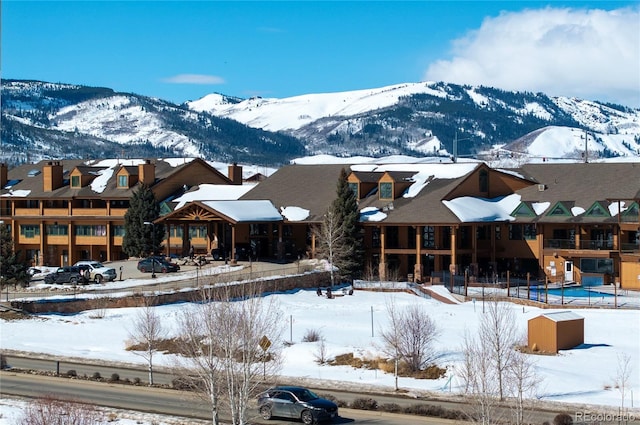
[103,185]
[577,187]
[231,211]
[562,316]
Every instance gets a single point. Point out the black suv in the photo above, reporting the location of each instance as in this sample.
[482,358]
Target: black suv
[69,274]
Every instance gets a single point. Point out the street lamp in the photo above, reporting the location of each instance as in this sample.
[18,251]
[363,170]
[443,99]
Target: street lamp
[153,242]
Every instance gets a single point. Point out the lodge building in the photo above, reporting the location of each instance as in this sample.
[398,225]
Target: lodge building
[557,222]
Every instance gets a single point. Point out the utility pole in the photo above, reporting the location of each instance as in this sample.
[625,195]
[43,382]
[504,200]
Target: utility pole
[586,149]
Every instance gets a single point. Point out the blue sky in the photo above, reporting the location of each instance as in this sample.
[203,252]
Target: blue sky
[181,51]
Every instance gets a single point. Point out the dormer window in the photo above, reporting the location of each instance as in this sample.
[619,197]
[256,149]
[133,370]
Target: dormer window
[75,182]
[386,190]
[123,180]
[354,188]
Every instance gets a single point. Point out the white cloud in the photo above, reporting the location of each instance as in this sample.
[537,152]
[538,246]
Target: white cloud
[592,54]
[194,79]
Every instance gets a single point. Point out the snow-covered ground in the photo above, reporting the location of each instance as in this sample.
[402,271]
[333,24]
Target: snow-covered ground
[352,324]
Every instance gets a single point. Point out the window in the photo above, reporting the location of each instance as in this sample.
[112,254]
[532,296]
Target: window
[57,230]
[498,232]
[75,181]
[597,210]
[596,265]
[375,237]
[87,230]
[386,191]
[519,232]
[392,237]
[483,180]
[559,210]
[198,231]
[258,229]
[123,180]
[523,210]
[118,230]
[429,237]
[29,230]
[354,188]
[175,231]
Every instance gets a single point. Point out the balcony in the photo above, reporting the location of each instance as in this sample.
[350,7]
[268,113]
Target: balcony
[596,244]
[55,212]
[630,247]
[560,243]
[27,212]
[89,212]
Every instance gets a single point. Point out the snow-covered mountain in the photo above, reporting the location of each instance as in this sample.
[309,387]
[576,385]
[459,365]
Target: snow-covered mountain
[43,120]
[559,123]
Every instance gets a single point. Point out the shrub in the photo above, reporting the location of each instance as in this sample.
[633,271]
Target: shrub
[390,407]
[563,419]
[137,381]
[96,376]
[312,335]
[364,404]
[72,373]
[115,377]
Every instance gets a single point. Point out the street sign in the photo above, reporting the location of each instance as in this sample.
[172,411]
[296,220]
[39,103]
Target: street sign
[264,343]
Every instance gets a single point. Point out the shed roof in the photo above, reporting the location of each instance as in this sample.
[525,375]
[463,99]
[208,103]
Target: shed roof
[562,316]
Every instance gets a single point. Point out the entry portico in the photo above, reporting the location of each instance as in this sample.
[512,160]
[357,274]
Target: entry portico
[223,225]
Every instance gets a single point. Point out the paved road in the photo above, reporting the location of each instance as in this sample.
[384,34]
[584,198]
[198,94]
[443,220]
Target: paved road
[169,402]
[164,376]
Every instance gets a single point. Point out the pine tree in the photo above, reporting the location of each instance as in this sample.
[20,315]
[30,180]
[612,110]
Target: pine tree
[346,207]
[344,210]
[12,270]
[142,239]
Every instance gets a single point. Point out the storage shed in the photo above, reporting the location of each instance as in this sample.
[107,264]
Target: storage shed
[551,332]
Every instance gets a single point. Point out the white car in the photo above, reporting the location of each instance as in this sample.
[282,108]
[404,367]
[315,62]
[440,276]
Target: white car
[97,271]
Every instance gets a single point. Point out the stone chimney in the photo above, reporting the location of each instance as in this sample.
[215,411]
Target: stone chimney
[52,176]
[147,173]
[235,173]
[4,175]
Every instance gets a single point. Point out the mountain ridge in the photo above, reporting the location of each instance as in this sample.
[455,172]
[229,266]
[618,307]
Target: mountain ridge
[52,120]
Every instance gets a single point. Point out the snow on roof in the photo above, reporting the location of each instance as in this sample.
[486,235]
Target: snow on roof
[17,193]
[246,210]
[99,184]
[294,213]
[372,214]
[576,211]
[562,316]
[470,209]
[214,192]
[540,207]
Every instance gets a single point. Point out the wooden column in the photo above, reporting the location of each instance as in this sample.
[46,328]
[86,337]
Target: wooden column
[417,268]
[382,267]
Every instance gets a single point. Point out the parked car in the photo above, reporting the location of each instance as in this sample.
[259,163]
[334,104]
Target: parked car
[98,272]
[68,274]
[157,264]
[296,402]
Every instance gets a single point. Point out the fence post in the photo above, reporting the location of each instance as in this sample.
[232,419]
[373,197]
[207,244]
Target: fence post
[528,286]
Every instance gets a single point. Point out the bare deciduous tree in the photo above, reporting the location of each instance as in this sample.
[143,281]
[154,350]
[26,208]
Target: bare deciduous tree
[523,382]
[493,368]
[52,411]
[623,373]
[146,335]
[498,330]
[225,346]
[478,375]
[410,336]
[332,243]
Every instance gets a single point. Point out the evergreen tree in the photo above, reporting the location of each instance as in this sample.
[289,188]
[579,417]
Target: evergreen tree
[12,270]
[140,239]
[345,207]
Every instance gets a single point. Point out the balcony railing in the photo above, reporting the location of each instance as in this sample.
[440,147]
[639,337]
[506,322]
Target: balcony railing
[560,243]
[596,244]
[630,247]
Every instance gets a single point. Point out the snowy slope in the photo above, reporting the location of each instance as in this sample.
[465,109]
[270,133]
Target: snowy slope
[295,112]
